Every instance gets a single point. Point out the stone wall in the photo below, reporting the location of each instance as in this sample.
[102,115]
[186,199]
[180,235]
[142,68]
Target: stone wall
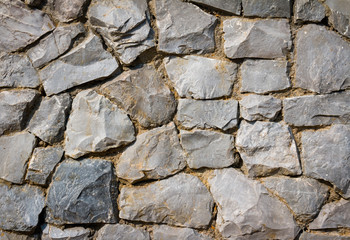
[170,119]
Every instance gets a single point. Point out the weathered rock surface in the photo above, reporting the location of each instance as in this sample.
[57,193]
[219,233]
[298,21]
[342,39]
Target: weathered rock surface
[316,48]
[184,28]
[121,232]
[20,208]
[82,192]
[67,10]
[51,232]
[14,236]
[322,236]
[155,154]
[207,114]
[201,77]
[15,152]
[125,26]
[142,93]
[247,211]
[340,15]
[267,148]
[308,11]
[267,38]
[326,155]
[256,107]
[96,125]
[181,200]
[48,123]
[266,8]
[230,6]
[42,163]
[173,233]
[85,63]
[208,149]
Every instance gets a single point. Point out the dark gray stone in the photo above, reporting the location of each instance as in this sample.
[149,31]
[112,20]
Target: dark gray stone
[309,11]
[230,6]
[162,232]
[340,15]
[121,232]
[256,107]
[67,10]
[266,8]
[51,232]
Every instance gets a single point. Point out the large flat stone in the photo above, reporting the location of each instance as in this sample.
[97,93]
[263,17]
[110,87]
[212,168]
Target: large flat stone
[121,232]
[51,232]
[339,15]
[162,232]
[266,8]
[309,11]
[322,236]
[230,6]
[256,107]
[67,10]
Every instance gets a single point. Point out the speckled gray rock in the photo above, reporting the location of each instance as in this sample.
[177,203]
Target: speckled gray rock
[142,93]
[15,236]
[325,155]
[322,236]
[256,107]
[48,122]
[267,148]
[184,28]
[21,26]
[85,63]
[230,6]
[155,154]
[67,10]
[162,232]
[267,38]
[181,200]
[201,77]
[222,114]
[264,76]
[266,8]
[15,153]
[51,232]
[82,192]
[339,15]
[42,163]
[317,47]
[247,211]
[317,110]
[20,208]
[208,149]
[121,232]
[308,11]
[96,125]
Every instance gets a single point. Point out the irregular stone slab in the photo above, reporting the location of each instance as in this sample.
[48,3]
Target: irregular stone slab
[308,11]
[322,236]
[326,154]
[201,77]
[256,107]
[230,6]
[266,8]
[317,47]
[21,26]
[267,38]
[121,232]
[142,93]
[96,125]
[14,236]
[339,15]
[15,153]
[17,71]
[124,25]
[42,163]
[27,200]
[14,107]
[317,110]
[181,200]
[207,114]
[48,123]
[51,232]
[87,62]
[67,10]
[208,149]
[173,233]
[267,148]
[247,211]
[304,196]
[264,76]
[184,28]
[82,192]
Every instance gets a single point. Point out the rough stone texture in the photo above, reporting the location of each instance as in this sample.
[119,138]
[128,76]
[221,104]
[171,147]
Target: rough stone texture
[125,26]
[184,28]
[255,107]
[48,123]
[317,110]
[51,232]
[316,48]
[85,63]
[121,232]
[181,200]
[322,236]
[42,163]
[15,152]
[142,93]
[325,155]
[96,125]
[67,10]
[267,148]
[15,236]
[264,76]
[308,11]
[201,77]
[339,15]
[155,154]
[208,149]
[162,232]
[20,207]
[247,211]
[266,38]
[266,8]
[82,192]
[230,6]
[207,114]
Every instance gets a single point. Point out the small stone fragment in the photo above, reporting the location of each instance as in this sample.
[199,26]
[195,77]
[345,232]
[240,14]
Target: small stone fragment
[256,107]
[67,10]
[15,236]
[266,8]
[230,6]
[96,125]
[184,28]
[208,149]
[181,200]
[162,232]
[340,15]
[308,11]
[267,148]
[322,236]
[51,232]
[121,232]
[200,77]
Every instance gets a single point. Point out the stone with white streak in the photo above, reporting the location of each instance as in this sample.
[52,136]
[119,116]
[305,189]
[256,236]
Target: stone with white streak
[51,232]
[256,107]
[162,232]
[339,15]
[230,6]
[121,232]
[309,10]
